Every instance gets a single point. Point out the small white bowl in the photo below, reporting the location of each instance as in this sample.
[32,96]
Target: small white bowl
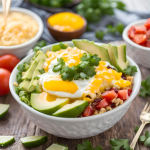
[22,49]
[75,128]
[141,54]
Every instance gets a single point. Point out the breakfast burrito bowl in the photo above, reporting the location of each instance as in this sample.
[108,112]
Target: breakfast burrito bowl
[80,105]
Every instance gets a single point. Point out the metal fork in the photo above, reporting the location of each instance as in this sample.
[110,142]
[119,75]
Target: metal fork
[145,118]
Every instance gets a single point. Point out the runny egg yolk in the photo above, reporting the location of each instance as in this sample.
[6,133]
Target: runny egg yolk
[60,86]
[47,96]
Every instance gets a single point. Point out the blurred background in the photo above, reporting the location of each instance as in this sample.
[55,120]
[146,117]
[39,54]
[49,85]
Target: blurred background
[106,18]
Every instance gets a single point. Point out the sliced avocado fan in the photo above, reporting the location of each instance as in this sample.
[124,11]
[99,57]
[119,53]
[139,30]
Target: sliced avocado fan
[28,74]
[57,147]
[33,141]
[6,140]
[3,109]
[45,106]
[90,47]
[71,110]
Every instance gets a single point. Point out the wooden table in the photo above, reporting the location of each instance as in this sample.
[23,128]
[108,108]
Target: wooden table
[17,124]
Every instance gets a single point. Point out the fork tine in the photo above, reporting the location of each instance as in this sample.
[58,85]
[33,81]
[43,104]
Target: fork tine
[147,110]
[145,107]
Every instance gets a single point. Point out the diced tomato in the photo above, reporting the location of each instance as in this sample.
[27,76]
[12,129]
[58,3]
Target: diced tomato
[129,91]
[123,94]
[148,35]
[102,104]
[140,29]
[96,102]
[131,32]
[89,111]
[109,95]
[147,24]
[148,44]
[139,38]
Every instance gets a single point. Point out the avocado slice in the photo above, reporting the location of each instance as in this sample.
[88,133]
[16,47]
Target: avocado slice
[45,106]
[38,56]
[28,74]
[3,109]
[57,147]
[6,140]
[122,62]
[71,110]
[36,72]
[113,53]
[24,86]
[33,141]
[90,47]
[117,56]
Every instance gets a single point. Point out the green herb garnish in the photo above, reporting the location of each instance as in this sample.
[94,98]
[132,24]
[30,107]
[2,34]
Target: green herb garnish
[39,45]
[25,97]
[83,70]
[36,78]
[145,139]
[130,70]
[87,146]
[59,47]
[42,71]
[145,89]
[136,129]
[42,43]
[62,46]
[59,66]
[118,144]
[93,10]
[111,30]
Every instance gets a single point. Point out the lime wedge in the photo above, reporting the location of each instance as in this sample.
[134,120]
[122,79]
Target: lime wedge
[33,141]
[57,147]
[3,109]
[6,140]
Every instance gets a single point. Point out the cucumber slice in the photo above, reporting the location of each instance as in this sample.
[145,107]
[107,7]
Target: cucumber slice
[33,141]
[6,140]
[57,147]
[3,109]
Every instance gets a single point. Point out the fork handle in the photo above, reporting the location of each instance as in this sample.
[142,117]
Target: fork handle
[134,141]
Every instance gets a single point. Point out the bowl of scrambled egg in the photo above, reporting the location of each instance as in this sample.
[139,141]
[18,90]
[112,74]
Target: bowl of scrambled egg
[78,103]
[20,32]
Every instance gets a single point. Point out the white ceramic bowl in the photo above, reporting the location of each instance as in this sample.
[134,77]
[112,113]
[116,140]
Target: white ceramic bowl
[22,49]
[76,128]
[141,53]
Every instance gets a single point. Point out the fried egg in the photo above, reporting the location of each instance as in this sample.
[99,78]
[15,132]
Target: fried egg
[53,84]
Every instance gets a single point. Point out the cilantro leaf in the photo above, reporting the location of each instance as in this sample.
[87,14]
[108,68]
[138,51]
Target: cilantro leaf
[42,71]
[37,48]
[41,43]
[59,66]
[23,67]
[145,138]
[36,78]
[98,148]
[62,46]
[145,89]
[85,146]
[117,144]
[100,34]
[136,129]
[19,77]
[130,70]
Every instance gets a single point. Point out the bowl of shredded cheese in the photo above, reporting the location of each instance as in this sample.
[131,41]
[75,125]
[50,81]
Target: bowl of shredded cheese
[20,32]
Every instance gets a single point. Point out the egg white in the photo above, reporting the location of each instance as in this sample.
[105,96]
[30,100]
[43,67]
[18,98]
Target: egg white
[82,84]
